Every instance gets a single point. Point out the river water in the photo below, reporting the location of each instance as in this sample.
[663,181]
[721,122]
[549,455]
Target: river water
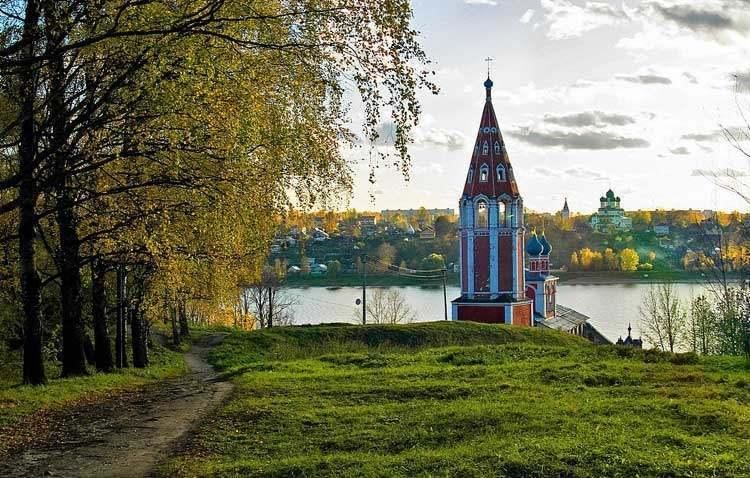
[610,306]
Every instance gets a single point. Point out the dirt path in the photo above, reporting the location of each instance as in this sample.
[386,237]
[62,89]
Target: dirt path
[129,435]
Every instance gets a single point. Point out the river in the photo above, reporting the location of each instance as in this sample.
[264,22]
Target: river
[610,306]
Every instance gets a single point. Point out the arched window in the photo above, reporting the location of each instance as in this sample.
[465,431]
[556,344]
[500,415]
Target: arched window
[497,147]
[501,211]
[481,214]
[485,148]
[500,172]
[471,175]
[484,173]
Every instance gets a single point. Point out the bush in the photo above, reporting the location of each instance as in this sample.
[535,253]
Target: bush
[687,358]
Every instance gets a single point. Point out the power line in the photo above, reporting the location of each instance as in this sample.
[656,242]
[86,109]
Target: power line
[408,270]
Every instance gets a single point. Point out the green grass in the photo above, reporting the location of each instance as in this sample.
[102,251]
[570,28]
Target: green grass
[461,399]
[18,401]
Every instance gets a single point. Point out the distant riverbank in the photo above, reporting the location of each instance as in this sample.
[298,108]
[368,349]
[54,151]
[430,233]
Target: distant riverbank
[452,279]
[652,277]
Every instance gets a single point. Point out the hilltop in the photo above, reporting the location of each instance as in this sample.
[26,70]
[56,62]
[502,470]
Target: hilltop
[463,399]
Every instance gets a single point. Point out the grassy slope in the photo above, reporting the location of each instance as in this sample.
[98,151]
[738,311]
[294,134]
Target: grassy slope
[460,399]
[18,401]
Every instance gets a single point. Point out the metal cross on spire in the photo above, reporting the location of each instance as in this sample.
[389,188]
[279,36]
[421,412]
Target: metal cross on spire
[489,61]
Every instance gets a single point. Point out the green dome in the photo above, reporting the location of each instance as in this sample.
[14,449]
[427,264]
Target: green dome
[610,194]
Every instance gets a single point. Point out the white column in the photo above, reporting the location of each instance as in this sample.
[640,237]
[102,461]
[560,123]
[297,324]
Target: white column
[461,241]
[514,248]
[469,208]
[494,249]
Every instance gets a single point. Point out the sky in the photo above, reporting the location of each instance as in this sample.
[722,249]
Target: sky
[590,95]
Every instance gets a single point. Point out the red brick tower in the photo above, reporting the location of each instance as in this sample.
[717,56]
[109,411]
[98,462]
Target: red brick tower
[491,233]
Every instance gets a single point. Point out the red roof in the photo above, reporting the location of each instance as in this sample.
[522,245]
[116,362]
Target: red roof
[484,176]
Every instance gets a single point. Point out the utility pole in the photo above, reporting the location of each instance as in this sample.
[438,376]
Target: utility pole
[364,289]
[445,294]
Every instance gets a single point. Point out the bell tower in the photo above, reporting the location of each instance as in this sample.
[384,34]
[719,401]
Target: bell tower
[491,231]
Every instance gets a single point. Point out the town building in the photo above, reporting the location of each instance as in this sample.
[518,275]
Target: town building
[661,229]
[368,221]
[610,217]
[497,284]
[410,213]
[319,235]
[427,232]
[630,341]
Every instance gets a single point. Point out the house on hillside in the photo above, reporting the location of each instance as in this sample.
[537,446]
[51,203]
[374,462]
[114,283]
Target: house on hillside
[318,269]
[428,232]
[319,235]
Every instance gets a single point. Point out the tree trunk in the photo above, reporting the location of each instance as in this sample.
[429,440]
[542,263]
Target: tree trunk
[33,362]
[175,329]
[88,350]
[270,307]
[69,255]
[120,336]
[102,345]
[184,328]
[138,338]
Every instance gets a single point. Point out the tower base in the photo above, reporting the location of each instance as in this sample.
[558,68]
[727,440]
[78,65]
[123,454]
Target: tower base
[494,311]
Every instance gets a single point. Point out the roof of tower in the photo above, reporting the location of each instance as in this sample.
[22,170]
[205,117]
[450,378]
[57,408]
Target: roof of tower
[490,171]
[565,206]
[610,194]
[546,246]
[534,248]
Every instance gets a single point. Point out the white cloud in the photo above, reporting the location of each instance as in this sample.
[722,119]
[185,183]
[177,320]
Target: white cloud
[526,18]
[423,137]
[564,19]
[692,28]
[439,137]
[491,3]
[581,172]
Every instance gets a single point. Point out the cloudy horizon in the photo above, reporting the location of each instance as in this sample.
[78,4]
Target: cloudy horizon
[627,95]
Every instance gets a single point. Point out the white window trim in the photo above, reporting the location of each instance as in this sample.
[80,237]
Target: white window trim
[501,177]
[484,173]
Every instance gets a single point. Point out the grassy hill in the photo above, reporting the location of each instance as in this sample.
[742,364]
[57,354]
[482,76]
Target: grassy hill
[461,399]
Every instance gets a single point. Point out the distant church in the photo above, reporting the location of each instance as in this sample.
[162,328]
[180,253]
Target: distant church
[565,212]
[610,216]
[498,283]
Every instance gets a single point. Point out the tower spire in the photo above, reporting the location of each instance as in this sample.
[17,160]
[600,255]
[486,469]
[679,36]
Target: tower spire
[488,84]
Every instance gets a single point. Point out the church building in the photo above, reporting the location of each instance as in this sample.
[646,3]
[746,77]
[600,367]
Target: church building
[504,278]
[610,217]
